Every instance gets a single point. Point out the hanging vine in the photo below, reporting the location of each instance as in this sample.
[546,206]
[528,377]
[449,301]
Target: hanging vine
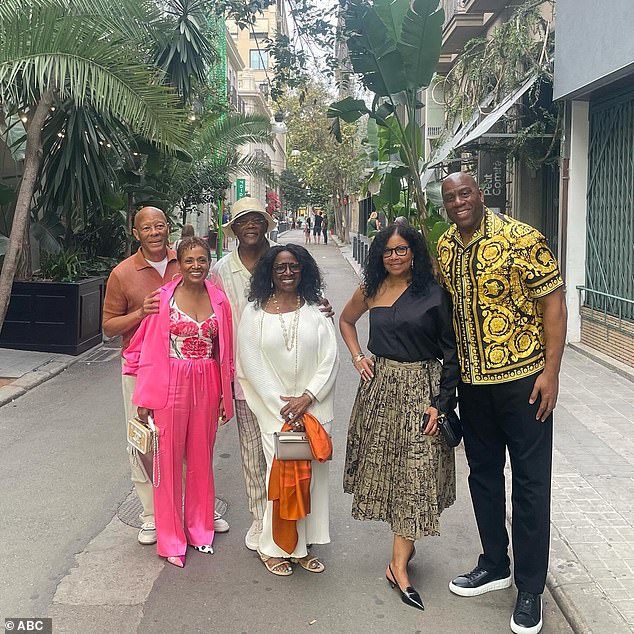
[494,66]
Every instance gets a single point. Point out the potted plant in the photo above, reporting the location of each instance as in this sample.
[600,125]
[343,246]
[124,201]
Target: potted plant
[61,311]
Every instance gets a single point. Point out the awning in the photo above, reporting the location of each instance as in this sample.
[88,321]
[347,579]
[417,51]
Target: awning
[502,108]
[470,131]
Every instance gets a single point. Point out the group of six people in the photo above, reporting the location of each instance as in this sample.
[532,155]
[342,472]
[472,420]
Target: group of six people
[254,336]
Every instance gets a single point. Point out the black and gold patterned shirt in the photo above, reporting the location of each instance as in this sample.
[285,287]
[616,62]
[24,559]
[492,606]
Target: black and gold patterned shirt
[495,282]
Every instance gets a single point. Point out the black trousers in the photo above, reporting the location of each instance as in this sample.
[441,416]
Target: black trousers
[495,418]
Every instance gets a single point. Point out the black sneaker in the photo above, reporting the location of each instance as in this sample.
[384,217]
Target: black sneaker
[479,581]
[527,616]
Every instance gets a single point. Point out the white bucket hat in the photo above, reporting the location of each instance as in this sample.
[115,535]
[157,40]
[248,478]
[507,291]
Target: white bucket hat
[245,206]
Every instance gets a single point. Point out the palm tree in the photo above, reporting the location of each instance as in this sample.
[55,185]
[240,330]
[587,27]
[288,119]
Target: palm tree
[217,159]
[90,51]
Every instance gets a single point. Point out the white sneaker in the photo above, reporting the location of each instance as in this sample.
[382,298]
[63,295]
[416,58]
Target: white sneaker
[220,524]
[147,534]
[252,539]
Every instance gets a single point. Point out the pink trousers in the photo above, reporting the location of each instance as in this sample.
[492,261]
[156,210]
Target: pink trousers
[187,429]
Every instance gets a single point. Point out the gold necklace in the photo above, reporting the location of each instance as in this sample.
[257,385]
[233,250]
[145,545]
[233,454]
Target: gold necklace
[290,333]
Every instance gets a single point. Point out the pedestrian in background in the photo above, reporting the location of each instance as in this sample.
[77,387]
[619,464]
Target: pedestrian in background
[182,358]
[287,364]
[307,230]
[398,468]
[324,227]
[317,227]
[510,320]
[374,226]
[186,232]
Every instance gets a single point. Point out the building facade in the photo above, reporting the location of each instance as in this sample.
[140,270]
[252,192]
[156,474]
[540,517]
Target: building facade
[597,201]
[525,189]
[254,87]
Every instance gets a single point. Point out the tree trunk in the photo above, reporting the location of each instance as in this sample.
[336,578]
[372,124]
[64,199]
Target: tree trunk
[129,224]
[32,163]
[24,267]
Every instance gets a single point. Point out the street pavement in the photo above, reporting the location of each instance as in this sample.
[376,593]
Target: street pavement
[66,554]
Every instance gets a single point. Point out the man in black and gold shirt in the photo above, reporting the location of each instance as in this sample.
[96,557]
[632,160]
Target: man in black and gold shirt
[509,315]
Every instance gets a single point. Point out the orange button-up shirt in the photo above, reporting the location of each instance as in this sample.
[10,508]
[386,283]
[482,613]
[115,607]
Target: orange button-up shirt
[130,282]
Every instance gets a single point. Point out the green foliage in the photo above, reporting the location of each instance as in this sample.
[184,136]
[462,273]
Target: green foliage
[494,67]
[394,48]
[215,161]
[81,148]
[296,57]
[88,51]
[328,170]
[294,195]
[394,45]
[65,266]
[186,53]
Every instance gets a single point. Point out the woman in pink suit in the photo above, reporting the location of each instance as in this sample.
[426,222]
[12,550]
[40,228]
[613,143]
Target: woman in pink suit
[182,357]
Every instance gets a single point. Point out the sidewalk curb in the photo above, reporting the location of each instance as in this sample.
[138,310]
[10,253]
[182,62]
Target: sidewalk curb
[39,375]
[559,550]
[626,371]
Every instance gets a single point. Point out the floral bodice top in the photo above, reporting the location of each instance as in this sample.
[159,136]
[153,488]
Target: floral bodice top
[191,339]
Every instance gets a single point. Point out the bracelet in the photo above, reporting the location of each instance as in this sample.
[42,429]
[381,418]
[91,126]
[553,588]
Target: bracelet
[357,357]
[310,395]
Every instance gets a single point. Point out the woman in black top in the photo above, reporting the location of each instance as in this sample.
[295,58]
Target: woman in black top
[398,468]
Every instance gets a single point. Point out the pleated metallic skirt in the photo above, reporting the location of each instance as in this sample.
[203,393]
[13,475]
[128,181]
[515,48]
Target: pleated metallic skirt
[395,473]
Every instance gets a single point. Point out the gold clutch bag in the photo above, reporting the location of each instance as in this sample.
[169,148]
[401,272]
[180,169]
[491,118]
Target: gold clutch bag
[140,436]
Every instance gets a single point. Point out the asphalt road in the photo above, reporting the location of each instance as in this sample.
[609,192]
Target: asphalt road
[66,554]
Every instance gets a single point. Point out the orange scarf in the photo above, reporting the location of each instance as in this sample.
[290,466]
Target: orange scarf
[289,484]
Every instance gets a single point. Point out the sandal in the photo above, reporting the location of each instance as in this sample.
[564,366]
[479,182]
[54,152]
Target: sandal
[281,568]
[310,563]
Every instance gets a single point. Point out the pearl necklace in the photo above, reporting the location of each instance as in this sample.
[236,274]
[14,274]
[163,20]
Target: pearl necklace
[290,333]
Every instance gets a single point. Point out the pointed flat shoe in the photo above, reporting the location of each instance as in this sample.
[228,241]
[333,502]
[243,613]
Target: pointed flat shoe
[409,596]
[177,560]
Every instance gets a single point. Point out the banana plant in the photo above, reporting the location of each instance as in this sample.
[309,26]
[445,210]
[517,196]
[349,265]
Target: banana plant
[394,47]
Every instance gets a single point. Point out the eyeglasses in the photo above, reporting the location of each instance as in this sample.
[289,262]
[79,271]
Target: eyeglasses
[243,222]
[400,250]
[293,267]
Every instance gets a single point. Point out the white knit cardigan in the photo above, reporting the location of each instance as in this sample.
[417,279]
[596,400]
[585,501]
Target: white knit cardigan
[266,369]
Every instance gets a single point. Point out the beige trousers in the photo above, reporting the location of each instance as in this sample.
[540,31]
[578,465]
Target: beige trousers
[253,460]
[140,465]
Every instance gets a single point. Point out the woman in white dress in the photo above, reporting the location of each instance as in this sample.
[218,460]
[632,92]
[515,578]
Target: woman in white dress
[287,364]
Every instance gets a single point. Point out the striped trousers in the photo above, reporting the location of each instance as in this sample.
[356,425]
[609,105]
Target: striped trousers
[253,460]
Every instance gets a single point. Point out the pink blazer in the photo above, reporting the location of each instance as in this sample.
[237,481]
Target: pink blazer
[147,356]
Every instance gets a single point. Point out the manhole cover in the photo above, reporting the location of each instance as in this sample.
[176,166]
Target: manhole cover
[130,509]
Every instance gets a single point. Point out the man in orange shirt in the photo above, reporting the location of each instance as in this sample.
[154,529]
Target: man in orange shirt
[131,294]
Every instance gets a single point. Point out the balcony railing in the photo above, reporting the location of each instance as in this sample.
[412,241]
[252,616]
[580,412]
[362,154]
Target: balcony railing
[452,7]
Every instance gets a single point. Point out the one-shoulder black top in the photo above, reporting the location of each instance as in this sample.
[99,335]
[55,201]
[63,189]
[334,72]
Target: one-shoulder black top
[419,328]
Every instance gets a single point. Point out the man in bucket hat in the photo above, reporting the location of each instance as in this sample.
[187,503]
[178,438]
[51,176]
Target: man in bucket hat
[249,224]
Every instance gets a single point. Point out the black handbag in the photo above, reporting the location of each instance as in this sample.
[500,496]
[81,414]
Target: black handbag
[450,428]
[448,422]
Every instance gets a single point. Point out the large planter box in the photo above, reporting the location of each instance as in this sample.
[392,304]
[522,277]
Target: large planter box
[63,317]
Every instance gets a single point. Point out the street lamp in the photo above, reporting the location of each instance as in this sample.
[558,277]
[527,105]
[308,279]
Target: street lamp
[279,127]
